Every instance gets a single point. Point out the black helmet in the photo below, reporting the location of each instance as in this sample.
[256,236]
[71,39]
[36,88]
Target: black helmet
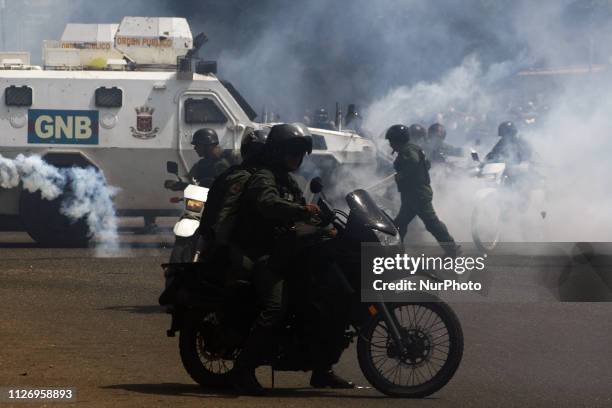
[437,129]
[398,134]
[288,138]
[417,132]
[321,115]
[252,143]
[507,129]
[205,136]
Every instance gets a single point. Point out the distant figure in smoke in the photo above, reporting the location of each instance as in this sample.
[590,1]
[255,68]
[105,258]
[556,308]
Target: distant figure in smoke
[418,135]
[321,120]
[511,149]
[438,149]
[413,184]
[353,119]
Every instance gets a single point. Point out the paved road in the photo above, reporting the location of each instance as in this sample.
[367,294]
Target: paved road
[71,319]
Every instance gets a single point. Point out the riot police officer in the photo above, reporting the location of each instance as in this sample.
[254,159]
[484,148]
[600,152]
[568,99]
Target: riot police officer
[418,135]
[413,184]
[220,213]
[321,120]
[271,204]
[212,163]
[510,149]
[438,149]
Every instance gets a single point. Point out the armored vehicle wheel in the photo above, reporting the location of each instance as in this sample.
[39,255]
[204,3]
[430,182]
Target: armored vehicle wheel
[44,222]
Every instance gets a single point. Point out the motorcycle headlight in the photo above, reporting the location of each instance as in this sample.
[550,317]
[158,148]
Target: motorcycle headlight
[194,205]
[387,239]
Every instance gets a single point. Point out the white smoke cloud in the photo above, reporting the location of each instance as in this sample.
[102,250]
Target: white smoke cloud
[91,198]
[571,135]
[88,196]
[37,175]
[9,176]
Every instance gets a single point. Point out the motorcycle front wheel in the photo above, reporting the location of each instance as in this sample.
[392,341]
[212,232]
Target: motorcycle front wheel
[433,348]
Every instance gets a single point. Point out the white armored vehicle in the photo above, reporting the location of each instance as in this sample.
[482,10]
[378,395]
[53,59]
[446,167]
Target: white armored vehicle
[125,98]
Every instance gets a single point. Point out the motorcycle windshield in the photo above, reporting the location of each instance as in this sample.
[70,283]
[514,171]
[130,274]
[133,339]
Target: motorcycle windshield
[365,209]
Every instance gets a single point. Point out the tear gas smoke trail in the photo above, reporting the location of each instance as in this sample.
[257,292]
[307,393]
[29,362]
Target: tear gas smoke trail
[90,198]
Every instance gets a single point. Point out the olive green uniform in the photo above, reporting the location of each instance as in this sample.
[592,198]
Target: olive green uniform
[205,170]
[413,184]
[222,204]
[271,204]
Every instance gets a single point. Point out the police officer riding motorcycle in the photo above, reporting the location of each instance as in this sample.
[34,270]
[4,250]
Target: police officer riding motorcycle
[271,205]
[212,163]
[511,148]
[512,185]
[297,325]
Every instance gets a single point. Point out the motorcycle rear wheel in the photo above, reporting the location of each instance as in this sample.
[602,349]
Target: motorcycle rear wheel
[427,355]
[204,367]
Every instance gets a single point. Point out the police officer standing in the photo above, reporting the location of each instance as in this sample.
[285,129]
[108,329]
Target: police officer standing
[212,163]
[413,184]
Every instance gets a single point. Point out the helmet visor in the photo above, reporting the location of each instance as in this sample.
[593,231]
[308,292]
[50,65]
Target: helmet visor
[299,146]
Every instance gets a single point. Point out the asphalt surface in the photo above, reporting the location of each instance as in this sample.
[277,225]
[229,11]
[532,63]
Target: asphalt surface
[71,318]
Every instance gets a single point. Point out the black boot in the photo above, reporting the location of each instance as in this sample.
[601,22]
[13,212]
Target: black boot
[328,379]
[255,351]
[245,382]
[451,249]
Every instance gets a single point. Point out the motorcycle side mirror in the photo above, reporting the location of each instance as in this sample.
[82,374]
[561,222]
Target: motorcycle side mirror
[316,185]
[172,167]
[475,156]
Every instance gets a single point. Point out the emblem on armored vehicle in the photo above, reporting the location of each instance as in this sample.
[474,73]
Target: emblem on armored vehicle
[144,123]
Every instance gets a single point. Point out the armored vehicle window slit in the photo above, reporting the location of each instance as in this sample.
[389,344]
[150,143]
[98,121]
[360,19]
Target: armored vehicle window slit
[109,97]
[18,96]
[203,111]
[318,142]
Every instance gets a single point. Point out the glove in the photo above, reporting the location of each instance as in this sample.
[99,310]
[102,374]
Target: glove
[312,209]
[332,232]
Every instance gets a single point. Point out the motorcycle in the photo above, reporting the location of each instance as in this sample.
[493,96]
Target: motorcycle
[410,349]
[187,243]
[504,202]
